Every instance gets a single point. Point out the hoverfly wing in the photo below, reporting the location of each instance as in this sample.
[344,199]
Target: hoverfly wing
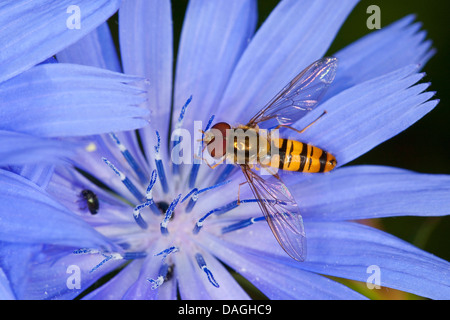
[281,212]
[299,96]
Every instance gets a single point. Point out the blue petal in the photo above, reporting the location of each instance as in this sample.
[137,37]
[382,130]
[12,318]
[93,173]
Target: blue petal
[368,114]
[193,282]
[116,288]
[19,149]
[33,31]
[214,36]
[16,259]
[29,215]
[6,292]
[381,52]
[275,279]
[96,49]
[52,272]
[347,249]
[295,34]
[363,192]
[40,174]
[146,44]
[56,100]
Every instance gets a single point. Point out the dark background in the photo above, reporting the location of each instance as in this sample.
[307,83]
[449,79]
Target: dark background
[424,147]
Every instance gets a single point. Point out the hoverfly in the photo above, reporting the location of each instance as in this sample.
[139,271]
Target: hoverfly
[294,101]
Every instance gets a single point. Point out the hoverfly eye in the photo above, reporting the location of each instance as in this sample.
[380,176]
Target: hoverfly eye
[217,145]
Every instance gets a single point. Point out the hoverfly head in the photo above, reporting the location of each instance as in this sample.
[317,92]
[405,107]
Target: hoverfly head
[215,139]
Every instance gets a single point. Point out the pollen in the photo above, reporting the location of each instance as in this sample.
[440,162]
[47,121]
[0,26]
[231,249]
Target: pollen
[91,147]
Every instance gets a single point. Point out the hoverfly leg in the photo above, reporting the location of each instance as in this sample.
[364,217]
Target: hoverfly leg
[214,165]
[304,129]
[206,161]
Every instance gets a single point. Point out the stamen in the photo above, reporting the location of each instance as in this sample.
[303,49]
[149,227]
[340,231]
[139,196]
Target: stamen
[149,193]
[160,165]
[182,112]
[162,276]
[199,225]
[168,215]
[176,138]
[86,251]
[166,252]
[129,158]
[223,209]
[202,264]
[241,224]
[195,192]
[137,213]
[111,256]
[134,255]
[234,204]
[196,166]
[127,182]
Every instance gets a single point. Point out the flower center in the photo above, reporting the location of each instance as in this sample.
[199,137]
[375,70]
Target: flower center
[177,226]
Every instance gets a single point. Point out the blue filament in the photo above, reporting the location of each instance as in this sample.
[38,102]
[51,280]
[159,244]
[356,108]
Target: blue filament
[86,251]
[134,255]
[241,224]
[183,111]
[168,215]
[149,194]
[223,209]
[199,225]
[234,204]
[196,166]
[127,182]
[162,275]
[193,175]
[195,192]
[166,252]
[176,140]
[111,256]
[160,165]
[137,213]
[101,263]
[202,264]
[129,158]
[151,184]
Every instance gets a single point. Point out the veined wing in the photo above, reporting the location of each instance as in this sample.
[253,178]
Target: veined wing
[299,96]
[281,212]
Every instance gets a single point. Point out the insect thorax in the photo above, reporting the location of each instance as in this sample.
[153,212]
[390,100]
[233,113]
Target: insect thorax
[247,145]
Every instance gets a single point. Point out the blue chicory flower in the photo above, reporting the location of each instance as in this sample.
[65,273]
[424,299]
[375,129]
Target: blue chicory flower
[161,229]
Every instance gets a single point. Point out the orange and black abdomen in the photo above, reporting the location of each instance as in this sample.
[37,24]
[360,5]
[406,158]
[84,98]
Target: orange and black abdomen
[298,156]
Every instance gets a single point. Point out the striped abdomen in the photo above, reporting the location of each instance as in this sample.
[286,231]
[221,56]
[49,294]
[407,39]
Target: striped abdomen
[298,156]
